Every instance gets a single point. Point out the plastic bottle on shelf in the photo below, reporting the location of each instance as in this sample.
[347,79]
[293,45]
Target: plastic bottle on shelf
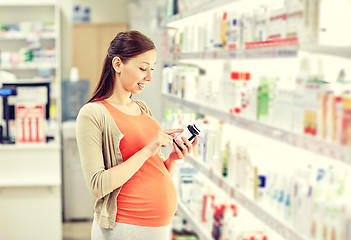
[232,31]
[295,19]
[166,86]
[247,29]
[208,210]
[298,98]
[86,15]
[191,87]
[176,80]
[236,88]
[277,23]
[263,99]
[224,30]
[77,15]
[315,87]
[239,166]
[273,111]
[346,121]
[224,92]
[216,31]
[260,24]
[285,103]
[169,8]
[252,91]
[245,93]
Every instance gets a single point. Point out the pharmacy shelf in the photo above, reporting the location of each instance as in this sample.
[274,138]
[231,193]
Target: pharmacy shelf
[340,51]
[22,36]
[200,230]
[264,52]
[207,6]
[330,150]
[282,228]
[50,64]
[268,52]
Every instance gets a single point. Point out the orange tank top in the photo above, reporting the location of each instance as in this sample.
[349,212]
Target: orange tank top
[149,197]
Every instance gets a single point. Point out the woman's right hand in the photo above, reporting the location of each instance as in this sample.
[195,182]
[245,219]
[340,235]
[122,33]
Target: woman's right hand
[162,139]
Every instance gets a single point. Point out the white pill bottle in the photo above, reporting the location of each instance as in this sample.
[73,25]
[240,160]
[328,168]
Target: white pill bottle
[190,132]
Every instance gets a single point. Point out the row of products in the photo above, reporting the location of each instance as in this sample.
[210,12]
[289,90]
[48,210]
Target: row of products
[304,104]
[173,7]
[182,229]
[300,188]
[214,211]
[274,24]
[28,55]
[27,27]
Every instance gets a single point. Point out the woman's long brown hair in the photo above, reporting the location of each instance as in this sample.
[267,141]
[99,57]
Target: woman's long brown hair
[125,45]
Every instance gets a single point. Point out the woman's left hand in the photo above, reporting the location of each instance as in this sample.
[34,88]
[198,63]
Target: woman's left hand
[186,146]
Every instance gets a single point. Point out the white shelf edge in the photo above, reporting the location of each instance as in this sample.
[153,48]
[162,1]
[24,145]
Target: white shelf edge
[28,80]
[18,35]
[30,146]
[334,151]
[29,184]
[28,66]
[341,51]
[197,226]
[269,52]
[277,225]
[284,51]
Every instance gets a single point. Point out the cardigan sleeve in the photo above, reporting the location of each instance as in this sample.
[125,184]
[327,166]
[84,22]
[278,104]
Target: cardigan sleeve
[89,140]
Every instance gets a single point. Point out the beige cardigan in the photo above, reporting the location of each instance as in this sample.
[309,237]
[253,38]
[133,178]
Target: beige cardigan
[98,139]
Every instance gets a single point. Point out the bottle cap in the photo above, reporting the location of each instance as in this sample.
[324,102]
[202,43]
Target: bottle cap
[197,128]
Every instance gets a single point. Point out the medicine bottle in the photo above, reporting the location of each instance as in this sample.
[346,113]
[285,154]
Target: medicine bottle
[190,132]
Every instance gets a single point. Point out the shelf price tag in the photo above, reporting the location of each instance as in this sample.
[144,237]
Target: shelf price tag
[232,192]
[232,54]
[215,55]
[220,183]
[210,174]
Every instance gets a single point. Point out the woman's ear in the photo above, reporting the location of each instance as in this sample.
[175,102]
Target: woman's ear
[116,64]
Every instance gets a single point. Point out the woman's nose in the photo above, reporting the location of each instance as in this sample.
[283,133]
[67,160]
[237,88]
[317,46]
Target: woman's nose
[148,76]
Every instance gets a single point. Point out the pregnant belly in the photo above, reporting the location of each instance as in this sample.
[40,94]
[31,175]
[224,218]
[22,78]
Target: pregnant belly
[149,198]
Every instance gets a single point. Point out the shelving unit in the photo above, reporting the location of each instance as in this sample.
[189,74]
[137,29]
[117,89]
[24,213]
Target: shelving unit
[15,12]
[334,151]
[263,52]
[202,232]
[206,6]
[30,173]
[285,49]
[283,228]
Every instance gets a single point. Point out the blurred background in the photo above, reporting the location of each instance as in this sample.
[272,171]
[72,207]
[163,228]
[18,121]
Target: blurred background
[268,82]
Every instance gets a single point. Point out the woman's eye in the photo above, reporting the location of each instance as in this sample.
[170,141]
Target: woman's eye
[143,69]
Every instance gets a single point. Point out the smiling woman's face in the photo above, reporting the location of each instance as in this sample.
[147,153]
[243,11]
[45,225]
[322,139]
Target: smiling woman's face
[137,72]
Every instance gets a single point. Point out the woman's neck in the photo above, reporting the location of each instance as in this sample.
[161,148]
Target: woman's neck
[120,100]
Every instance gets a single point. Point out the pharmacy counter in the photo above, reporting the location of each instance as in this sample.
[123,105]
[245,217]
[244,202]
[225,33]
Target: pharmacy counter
[30,192]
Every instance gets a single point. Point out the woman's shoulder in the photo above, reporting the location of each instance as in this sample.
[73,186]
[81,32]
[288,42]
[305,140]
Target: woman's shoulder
[143,105]
[95,108]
